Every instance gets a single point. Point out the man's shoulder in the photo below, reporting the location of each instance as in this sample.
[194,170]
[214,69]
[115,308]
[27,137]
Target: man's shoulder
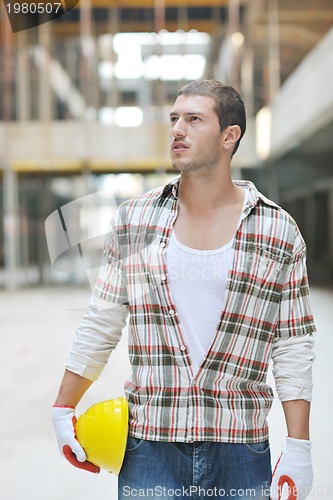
[273,221]
[276,211]
[267,206]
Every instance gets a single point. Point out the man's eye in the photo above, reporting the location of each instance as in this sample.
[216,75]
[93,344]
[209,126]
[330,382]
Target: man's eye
[173,119]
[194,118]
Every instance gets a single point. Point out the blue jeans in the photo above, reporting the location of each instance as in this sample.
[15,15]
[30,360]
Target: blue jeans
[195,470]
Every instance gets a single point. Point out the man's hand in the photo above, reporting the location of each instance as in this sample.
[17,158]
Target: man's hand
[63,418]
[294,470]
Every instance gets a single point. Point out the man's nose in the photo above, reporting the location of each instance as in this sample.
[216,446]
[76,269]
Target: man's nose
[178,128]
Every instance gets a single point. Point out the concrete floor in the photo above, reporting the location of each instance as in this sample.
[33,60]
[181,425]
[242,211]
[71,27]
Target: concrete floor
[37,328]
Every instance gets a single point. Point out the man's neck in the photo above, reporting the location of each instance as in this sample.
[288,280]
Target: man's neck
[209,211]
[200,193]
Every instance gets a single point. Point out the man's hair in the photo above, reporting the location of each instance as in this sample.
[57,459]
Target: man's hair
[229,105]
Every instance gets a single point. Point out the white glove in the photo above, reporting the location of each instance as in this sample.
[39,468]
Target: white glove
[294,468]
[64,420]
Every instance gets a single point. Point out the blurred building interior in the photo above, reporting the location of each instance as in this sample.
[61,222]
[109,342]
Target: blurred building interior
[84,105]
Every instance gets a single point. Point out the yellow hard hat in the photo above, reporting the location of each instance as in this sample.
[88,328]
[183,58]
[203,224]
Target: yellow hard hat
[102,433]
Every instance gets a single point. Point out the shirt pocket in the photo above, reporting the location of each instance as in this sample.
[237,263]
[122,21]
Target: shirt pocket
[267,267]
[272,264]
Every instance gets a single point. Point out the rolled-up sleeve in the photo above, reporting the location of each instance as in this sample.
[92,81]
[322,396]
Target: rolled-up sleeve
[292,351]
[96,337]
[292,367]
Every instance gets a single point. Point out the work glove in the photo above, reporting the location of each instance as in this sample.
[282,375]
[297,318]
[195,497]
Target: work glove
[294,470]
[64,420]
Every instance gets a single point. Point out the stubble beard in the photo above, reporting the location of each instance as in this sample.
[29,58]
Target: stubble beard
[206,163]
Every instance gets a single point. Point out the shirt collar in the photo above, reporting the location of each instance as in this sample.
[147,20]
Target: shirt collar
[171,188]
[254,195]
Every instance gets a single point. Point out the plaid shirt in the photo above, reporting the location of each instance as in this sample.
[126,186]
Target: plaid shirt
[267,297]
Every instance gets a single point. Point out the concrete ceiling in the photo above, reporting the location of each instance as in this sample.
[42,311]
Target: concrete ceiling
[301,25]
[280,32]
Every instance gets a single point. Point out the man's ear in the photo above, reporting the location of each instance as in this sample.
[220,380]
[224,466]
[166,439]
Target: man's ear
[231,136]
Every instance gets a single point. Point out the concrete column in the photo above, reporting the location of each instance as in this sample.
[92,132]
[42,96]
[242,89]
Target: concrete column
[182,18]
[235,55]
[45,107]
[23,80]
[7,77]
[273,48]
[10,203]
[71,60]
[11,233]
[159,15]
[182,24]
[247,84]
[247,64]
[330,231]
[113,94]
[88,61]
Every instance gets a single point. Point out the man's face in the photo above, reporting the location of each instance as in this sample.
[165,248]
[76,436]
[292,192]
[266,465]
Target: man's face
[195,134]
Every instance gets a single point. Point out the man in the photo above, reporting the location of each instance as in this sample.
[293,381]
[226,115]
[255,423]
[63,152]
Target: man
[213,277]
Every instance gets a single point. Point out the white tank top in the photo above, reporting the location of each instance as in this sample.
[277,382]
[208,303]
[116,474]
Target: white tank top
[198,281]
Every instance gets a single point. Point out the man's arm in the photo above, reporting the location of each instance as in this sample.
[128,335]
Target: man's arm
[297,415]
[97,335]
[293,472]
[72,389]
[293,475]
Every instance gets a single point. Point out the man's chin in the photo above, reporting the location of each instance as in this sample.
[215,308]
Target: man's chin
[181,166]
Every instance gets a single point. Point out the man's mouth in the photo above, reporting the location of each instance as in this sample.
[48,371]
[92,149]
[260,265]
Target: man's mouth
[179,146]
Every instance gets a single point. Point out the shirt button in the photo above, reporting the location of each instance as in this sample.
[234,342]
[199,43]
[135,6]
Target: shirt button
[162,244]
[183,348]
[171,312]
[163,277]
